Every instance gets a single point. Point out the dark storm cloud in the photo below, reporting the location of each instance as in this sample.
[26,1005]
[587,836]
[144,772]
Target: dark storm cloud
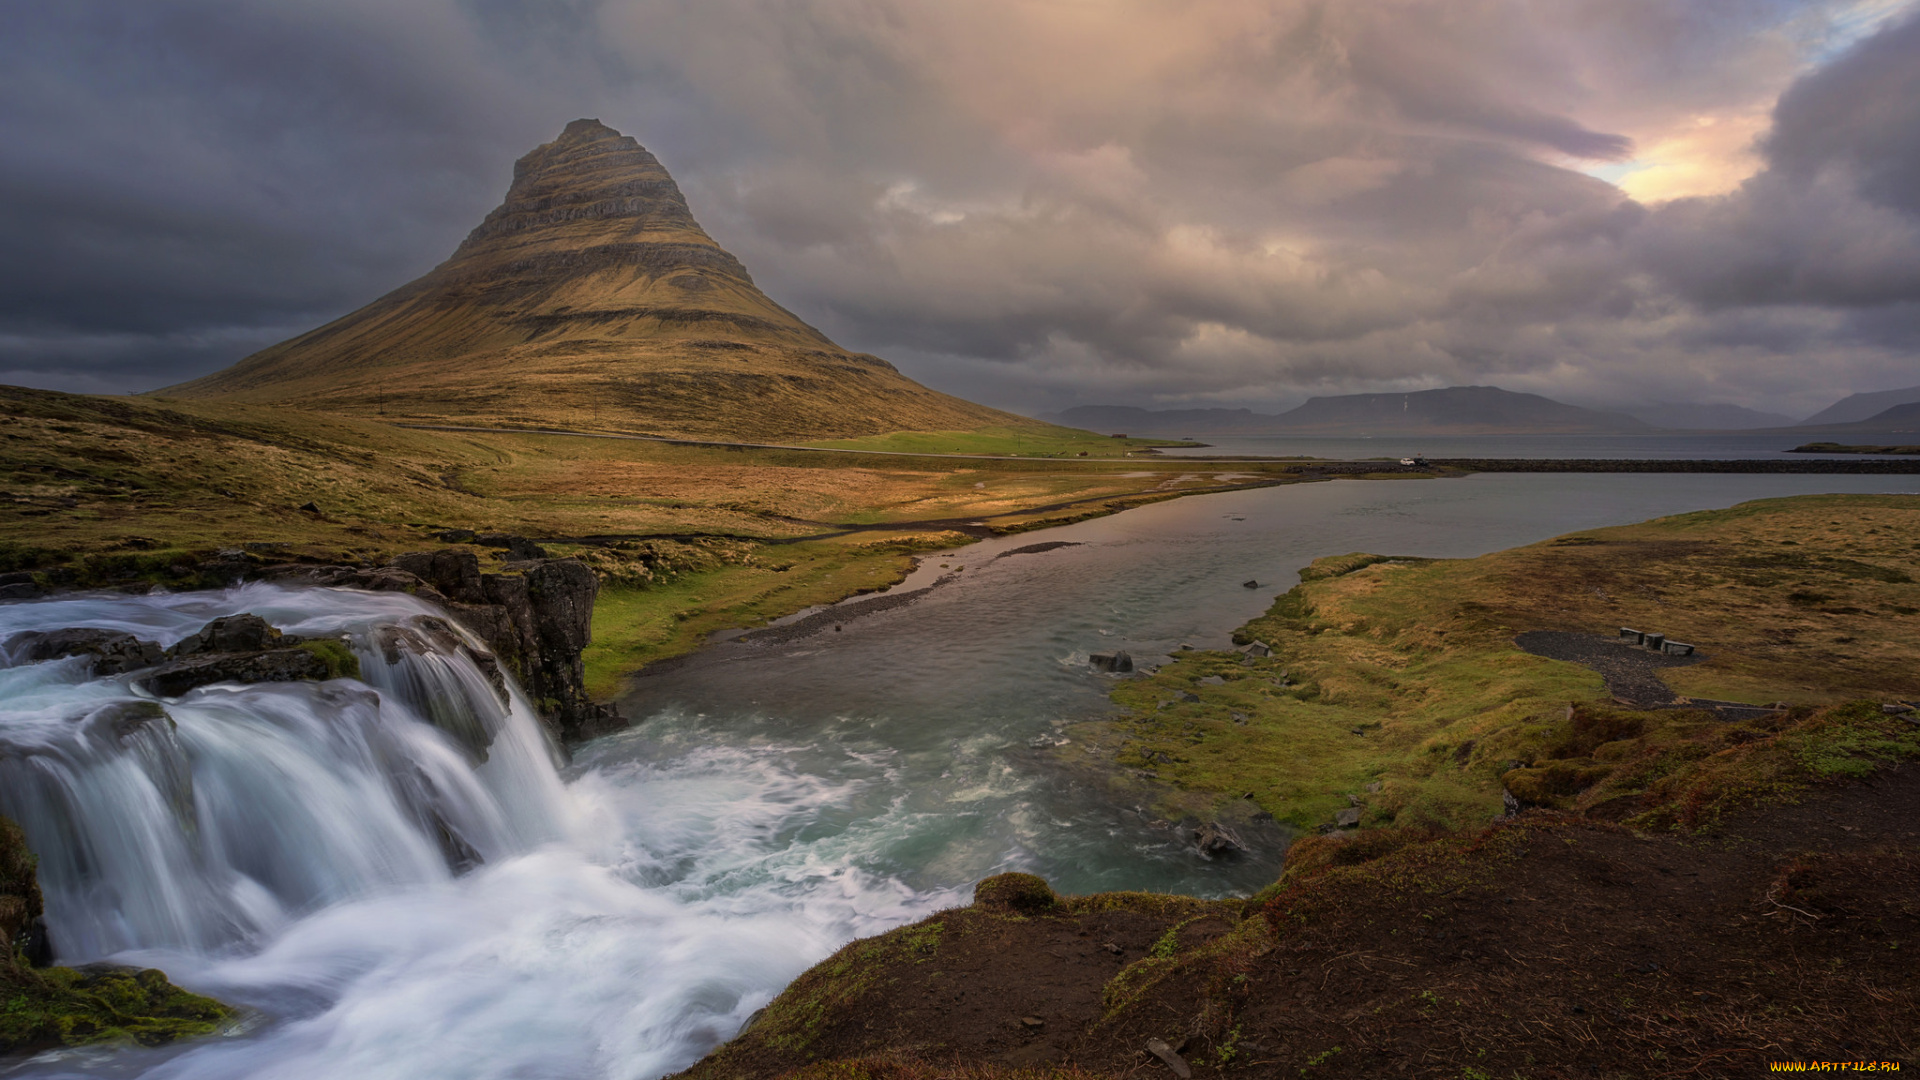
[1834,219]
[1037,204]
[186,181]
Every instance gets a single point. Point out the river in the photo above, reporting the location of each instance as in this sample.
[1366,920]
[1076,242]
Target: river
[633,907]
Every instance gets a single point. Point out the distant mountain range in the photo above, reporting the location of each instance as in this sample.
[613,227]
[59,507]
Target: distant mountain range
[1693,416]
[1858,407]
[1489,410]
[1900,420]
[1456,410]
[591,298]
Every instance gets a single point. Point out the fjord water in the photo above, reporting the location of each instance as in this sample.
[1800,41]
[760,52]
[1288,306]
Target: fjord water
[292,848]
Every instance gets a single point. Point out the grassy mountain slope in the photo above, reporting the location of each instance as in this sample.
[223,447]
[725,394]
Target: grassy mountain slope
[592,298]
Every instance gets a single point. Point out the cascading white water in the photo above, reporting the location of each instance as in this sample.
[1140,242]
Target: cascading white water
[208,821]
[392,869]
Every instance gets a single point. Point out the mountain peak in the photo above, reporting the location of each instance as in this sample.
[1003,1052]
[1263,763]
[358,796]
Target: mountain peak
[591,173]
[591,291]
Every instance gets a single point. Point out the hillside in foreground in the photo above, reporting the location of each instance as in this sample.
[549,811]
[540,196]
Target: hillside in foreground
[591,298]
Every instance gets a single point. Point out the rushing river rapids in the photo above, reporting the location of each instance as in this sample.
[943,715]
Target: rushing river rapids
[208,822]
[392,872]
[400,882]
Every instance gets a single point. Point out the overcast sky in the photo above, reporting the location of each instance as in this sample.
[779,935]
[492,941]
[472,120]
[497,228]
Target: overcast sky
[1033,203]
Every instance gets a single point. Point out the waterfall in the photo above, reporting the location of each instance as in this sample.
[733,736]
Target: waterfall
[210,821]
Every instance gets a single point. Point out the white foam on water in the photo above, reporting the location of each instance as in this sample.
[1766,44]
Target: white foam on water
[297,848]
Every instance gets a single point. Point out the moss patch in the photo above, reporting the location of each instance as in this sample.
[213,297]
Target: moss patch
[1396,681]
[340,660]
[48,1007]
[63,1007]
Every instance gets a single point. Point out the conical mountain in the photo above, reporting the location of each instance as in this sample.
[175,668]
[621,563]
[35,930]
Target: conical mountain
[591,298]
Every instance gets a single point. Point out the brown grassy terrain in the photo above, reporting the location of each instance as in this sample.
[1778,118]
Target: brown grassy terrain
[686,539]
[1397,684]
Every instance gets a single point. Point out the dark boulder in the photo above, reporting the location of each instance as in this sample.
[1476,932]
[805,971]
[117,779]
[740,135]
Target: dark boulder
[33,943]
[113,653]
[1216,841]
[1119,663]
[123,720]
[230,634]
[271,665]
[536,622]
[19,585]
[519,548]
[455,574]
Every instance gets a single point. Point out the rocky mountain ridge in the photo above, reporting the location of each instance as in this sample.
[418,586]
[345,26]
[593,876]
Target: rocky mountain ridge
[591,298]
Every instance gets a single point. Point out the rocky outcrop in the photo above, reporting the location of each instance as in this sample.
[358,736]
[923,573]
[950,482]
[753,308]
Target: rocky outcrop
[231,634]
[270,665]
[536,617]
[1216,841]
[19,585]
[113,653]
[245,649]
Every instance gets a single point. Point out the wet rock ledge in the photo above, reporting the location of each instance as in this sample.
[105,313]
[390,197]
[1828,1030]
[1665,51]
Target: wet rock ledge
[536,616]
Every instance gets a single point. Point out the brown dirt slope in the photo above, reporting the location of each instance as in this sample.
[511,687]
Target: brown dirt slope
[1548,946]
[591,298]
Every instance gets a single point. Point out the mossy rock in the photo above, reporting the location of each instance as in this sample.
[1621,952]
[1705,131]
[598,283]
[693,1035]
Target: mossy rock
[67,1007]
[1553,783]
[340,660]
[19,885]
[1018,894]
[41,1008]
